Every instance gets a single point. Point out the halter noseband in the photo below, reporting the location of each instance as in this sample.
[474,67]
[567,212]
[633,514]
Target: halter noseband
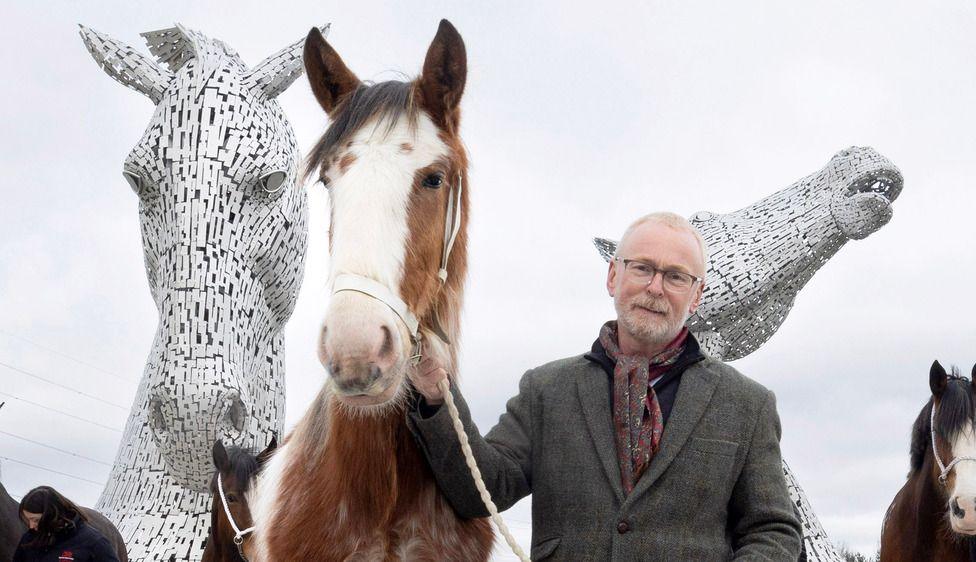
[239,534]
[944,468]
[375,289]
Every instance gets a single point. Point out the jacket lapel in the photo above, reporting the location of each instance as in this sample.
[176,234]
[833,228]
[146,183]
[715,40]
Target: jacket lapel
[593,387]
[694,393]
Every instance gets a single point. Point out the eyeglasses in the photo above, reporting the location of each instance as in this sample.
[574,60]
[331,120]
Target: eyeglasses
[673,281]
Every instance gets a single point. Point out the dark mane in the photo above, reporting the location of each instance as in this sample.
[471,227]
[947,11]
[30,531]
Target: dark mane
[956,412]
[244,465]
[383,101]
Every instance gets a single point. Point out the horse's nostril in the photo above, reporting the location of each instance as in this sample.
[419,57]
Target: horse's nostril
[334,369]
[374,374]
[956,510]
[386,348]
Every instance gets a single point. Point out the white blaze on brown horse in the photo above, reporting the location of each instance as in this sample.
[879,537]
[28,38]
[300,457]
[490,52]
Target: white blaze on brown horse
[933,516]
[350,482]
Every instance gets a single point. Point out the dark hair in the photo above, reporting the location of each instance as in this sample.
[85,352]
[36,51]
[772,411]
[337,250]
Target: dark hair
[58,514]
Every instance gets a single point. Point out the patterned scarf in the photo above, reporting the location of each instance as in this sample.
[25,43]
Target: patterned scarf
[637,420]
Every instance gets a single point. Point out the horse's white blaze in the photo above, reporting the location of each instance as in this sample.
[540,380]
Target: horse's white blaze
[964,488]
[370,199]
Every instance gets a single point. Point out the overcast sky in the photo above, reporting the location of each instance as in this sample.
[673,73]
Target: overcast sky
[578,119]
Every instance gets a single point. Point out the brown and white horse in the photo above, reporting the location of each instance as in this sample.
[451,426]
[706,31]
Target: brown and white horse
[350,482]
[933,516]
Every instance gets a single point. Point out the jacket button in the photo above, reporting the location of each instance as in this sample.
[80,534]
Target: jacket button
[622,527]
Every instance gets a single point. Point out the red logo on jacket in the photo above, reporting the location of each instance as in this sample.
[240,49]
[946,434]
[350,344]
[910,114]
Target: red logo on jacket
[66,555]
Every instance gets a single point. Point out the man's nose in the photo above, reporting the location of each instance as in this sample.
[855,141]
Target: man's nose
[656,284]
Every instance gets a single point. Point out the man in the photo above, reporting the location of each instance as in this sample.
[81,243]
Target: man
[642,449]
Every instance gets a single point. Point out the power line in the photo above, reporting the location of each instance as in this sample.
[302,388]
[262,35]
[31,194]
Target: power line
[70,358]
[61,412]
[50,470]
[54,448]
[48,381]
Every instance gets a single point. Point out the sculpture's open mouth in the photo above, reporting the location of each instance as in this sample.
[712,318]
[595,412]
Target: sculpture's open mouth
[884,183]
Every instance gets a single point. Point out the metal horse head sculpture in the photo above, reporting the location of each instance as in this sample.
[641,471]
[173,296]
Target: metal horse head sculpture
[224,238]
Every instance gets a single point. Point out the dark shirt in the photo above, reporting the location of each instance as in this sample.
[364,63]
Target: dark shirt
[82,544]
[666,387]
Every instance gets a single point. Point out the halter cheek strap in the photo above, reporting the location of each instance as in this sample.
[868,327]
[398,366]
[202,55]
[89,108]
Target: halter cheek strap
[945,469]
[382,293]
[239,534]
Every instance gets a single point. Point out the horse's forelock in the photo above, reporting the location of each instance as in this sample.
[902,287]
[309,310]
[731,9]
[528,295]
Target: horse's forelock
[956,411]
[244,465]
[387,102]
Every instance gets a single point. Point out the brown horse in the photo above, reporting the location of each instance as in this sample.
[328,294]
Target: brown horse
[237,469]
[12,528]
[933,516]
[351,483]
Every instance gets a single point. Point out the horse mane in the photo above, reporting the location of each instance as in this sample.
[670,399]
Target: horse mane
[244,463]
[385,101]
[956,412]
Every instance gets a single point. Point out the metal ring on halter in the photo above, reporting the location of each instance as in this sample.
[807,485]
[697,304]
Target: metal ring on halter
[944,474]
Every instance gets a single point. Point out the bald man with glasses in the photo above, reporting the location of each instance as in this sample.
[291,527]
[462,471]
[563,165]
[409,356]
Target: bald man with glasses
[644,448]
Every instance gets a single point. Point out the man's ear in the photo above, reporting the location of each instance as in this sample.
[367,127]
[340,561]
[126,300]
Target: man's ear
[612,277]
[696,302]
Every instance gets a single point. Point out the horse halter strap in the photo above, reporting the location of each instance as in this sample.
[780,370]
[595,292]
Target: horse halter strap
[946,469]
[239,536]
[380,292]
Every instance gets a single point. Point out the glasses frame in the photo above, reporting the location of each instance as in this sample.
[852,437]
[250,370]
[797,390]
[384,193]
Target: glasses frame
[663,272]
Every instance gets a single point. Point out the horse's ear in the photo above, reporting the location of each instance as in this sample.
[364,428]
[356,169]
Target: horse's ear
[442,81]
[220,459]
[265,455]
[937,378]
[331,80]
[274,74]
[127,65]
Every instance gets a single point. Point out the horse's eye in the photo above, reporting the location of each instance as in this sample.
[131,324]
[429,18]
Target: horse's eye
[324,180]
[273,181]
[232,497]
[134,180]
[433,181]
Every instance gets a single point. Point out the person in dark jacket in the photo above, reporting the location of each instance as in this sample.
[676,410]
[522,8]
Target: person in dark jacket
[58,531]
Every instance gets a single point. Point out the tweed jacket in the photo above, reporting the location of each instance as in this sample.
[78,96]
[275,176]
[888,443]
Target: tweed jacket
[715,490]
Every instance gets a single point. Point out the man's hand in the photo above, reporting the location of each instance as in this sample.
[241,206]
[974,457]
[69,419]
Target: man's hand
[425,378]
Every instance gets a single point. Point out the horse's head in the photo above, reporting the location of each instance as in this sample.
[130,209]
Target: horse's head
[394,166]
[236,472]
[224,235]
[861,184]
[951,436]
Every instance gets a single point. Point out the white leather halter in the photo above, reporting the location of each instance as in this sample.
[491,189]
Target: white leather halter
[944,468]
[382,293]
[239,534]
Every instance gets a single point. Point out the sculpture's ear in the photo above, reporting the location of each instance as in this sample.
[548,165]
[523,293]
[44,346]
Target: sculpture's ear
[329,77]
[126,65]
[442,80]
[220,459]
[938,379]
[274,74]
[265,455]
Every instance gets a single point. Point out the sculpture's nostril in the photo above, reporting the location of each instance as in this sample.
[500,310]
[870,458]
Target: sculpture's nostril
[235,414]
[157,421]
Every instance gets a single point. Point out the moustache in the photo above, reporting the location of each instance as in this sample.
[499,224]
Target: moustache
[655,305]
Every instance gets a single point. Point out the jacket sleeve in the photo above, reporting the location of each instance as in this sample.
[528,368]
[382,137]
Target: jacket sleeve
[103,551]
[763,522]
[503,455]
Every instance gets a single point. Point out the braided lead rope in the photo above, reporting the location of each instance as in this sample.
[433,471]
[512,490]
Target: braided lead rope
[476,474]
[239,537]
[945,469]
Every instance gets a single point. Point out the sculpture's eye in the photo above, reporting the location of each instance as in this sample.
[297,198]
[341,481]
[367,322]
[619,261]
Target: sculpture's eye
[134,180]
[272,182]
[433,181]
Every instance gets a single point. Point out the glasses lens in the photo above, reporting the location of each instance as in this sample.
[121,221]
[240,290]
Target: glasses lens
[677,281]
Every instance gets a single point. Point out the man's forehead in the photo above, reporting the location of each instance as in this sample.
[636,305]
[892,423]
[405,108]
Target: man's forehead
[662,246]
